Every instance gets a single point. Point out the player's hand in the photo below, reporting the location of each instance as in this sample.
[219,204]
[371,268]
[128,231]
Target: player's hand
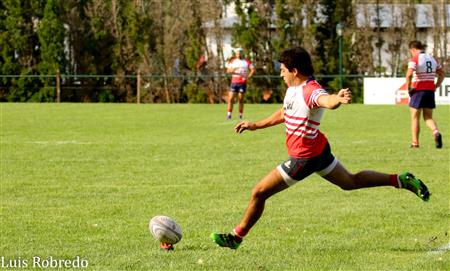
[244,125]
[345,96]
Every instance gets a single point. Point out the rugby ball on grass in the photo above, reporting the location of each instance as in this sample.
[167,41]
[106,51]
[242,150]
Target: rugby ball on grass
[165,229]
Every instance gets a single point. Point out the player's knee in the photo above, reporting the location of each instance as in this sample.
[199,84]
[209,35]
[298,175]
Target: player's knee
[351,182]
[259,193]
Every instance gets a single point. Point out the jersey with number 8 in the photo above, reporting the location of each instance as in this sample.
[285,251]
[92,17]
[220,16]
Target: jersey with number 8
[424,67]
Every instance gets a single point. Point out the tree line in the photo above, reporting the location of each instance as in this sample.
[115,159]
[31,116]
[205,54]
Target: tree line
[166,42]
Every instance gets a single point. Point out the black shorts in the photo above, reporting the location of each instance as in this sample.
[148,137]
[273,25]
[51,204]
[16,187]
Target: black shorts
[422,99]
[238,88]
[296,169]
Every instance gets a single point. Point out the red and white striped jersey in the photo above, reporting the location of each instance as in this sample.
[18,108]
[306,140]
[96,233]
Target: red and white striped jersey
[302,116]
[241,66]
[424,67]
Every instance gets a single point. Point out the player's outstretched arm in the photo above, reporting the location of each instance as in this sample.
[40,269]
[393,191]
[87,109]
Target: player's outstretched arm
[274,119]
[333,101]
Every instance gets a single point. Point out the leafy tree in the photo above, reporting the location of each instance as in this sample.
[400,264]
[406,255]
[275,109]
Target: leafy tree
[295,21]
[327,50]
[95,56]
[255,33]
[196,40]
[291,23]
[51,37]
[20,47]
[7,66]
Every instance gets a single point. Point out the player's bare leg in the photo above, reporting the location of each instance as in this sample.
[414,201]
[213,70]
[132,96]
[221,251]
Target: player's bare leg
[429,121]
[428,118]
[241,105]
[415,126]
[231,96]
[367,178]
[348,181]
[271,184]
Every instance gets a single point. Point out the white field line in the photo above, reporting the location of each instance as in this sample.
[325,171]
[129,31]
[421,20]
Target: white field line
[74,142]
[440,250]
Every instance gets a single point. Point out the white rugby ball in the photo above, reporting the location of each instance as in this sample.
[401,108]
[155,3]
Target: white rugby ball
[165,229]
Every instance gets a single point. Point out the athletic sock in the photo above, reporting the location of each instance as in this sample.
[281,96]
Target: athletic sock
[239,233]
[395,181]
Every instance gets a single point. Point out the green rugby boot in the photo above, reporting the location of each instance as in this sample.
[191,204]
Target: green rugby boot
[226,240]
[415,185]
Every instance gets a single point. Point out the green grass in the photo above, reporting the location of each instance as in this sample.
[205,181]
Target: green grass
[84,180]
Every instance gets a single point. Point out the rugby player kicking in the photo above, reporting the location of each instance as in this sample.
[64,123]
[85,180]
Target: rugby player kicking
[308,149]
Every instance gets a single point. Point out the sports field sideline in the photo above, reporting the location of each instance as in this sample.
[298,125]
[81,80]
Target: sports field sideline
[83,180]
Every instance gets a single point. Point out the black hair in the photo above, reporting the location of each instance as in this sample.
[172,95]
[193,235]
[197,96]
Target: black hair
[415,44]
[299,59]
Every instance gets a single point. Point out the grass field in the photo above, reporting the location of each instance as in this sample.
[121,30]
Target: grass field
[83,180]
